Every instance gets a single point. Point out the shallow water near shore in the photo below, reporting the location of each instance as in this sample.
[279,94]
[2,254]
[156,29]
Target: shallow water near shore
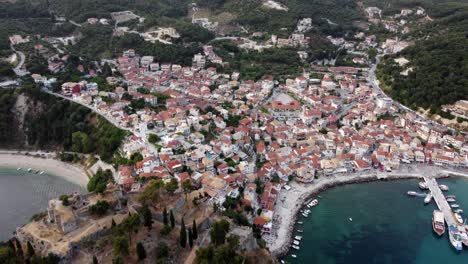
[387,226]
[24,194]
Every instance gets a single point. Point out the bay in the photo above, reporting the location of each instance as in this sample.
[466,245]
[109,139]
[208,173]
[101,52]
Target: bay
[387,226]
[24,194]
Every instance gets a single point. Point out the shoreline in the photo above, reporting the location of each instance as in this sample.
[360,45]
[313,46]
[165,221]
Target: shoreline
[69,172]
[290,202]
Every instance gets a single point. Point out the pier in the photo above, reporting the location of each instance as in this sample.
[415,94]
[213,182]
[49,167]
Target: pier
[441,202]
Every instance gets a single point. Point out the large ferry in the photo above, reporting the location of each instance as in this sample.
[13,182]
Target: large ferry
[455,238]
[438,223]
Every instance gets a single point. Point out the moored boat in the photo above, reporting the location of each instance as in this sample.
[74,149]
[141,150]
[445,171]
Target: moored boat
[451,200]
[295,247]
[412,193]
[41,172]
[451,196]
[294,256]
[428,198]
[464,237]
[423,186]
[18,169]
[438,222]
[455,238]
[295,242]
[443,187]
[458,218]
[298,238]
[29,169]
[300,231]
[459,211]
[313,203]
[455,205]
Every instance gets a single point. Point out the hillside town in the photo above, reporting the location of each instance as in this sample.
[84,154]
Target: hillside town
[230,138]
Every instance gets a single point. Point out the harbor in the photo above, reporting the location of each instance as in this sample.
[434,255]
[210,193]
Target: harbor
[457,229]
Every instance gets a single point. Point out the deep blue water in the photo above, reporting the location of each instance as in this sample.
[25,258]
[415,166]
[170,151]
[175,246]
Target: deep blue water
[388,226]
[24,194]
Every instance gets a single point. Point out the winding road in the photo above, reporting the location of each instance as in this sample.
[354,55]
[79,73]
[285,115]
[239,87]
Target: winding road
[18,69]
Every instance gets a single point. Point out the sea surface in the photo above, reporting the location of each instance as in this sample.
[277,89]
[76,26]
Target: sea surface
[24,194]
[387,226]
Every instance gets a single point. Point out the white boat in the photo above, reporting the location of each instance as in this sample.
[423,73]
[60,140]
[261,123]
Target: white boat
[459,218]
[298,238]
[300,223]
[305,215]
[455,238]
[18,169]
[295,242]
[464,238]
[451,196]
[282,262]
[459,211]
[294,256]
[451,200]
[412,193]
[295,247]
[313,203]
[443,187]
[29,169]
[300,231]
[454,205]
[42,172]
[423,186]
[350,219]
[428,198]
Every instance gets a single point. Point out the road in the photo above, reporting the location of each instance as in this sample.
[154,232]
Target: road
[18,69]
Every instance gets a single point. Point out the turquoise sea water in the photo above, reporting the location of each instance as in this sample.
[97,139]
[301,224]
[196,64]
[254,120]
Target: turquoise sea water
[387,226]
[24,194]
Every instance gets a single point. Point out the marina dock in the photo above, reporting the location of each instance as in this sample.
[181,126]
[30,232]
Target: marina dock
[441,202]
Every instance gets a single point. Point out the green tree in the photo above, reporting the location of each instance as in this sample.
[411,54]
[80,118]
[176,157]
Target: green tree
[141,252]
[64,199]
[218,232]
[165,219]
[172,186]
[147,216]
[95,260]
[183,234]
[190,237]
[120,246]
[100,208]
[153,138]
[29,250]
[171,217]
[194,230]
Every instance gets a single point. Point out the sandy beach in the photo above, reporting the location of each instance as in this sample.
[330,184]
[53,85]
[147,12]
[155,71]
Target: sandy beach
[290,202]
[69,172]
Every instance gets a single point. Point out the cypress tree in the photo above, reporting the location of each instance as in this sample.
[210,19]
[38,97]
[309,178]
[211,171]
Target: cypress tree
[190,238]
[113,223]
[171,216]
[95,261]
[165,220]
[183,234]
[194,230]
[141,252]
[147,217]
[29,250]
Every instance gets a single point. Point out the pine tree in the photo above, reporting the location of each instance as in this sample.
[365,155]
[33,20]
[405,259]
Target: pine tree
[194,230]
[141,252]
[171,216]
[95,261]
[183,234]
[29,250]
[165,220]
[190,238]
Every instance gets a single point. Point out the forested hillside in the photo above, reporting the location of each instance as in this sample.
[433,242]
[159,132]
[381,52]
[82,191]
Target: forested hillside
[439,58]
[41,121]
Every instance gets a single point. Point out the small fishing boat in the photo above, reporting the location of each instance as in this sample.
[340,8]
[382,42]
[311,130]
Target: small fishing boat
[428,198]
[458,218]
[295,247]
[295,242]
[455,205]
[305,215]
[29,169]
[41,172]
[300,231]
[459,211]
[350,219]
[451,196]
[18,169]
[300,222]
[443,187]
[298,238]
[412,193]
[451,200]
[313,203]
[423,186]
[294,256]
